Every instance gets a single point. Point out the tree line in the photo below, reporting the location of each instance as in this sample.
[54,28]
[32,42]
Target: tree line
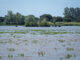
[70,15]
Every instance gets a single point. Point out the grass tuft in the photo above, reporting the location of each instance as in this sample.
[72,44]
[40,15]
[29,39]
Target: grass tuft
[68,56]
[61,41]
[11,49]
[35,41]
[22,55]
[10,56]
[41,53]
[70,49]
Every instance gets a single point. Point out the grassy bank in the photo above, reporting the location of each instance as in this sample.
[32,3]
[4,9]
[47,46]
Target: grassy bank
[68,23]
[57,24]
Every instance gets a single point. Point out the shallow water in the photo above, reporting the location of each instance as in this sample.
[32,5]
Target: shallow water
[30,46]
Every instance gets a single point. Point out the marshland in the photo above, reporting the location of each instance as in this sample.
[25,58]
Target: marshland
[39,43]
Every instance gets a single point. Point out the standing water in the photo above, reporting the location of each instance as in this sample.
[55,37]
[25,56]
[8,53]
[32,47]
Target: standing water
[39,43]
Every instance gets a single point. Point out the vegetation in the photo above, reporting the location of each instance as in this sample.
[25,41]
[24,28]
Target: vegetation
[35,41]
[71,18]
[70,49]
[22,55]
[68,56]
[10,56]
[41,53]
[61,41]
[11,49]
[0,57]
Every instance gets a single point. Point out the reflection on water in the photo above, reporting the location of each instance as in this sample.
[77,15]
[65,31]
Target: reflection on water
[28,43]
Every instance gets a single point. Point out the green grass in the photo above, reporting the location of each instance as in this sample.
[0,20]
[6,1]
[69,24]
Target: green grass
[35,41]
[68,23]
[68,56]
[22,55]
[14,32]
[10,56]
[41,53]
[11,49]
[41,32]
[2,42]
[70,49]
[61,41]
[0,57]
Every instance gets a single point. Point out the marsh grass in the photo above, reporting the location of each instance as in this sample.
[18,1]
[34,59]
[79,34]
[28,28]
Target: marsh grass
[68,56]
[25,41]
[0,57]
[11,49]
[2,42]
[70,49]
[61,41]
[35,41]
[10,41]
[35,31]
[41,53]
[22,55]
[10,56]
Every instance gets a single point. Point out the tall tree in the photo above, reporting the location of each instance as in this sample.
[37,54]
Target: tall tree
[73,12]
[48,17]
[30,20]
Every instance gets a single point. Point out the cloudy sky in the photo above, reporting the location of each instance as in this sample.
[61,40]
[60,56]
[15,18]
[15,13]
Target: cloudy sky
[37,7]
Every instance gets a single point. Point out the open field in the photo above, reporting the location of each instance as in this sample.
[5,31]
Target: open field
[39,43]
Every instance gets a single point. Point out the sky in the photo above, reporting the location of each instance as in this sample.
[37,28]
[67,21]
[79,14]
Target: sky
[37,7]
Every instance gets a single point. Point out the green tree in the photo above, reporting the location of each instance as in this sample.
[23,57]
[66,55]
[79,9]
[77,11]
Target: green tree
[78,19]
[10,18]
[1,19]
[73,12]
[48,17]
[19,19]
[30,20]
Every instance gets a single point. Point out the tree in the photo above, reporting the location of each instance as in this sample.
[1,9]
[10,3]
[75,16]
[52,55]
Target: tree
[10,18]
[30,20]
[48,17]
[44,22]
[73,12]
[19,19]
[1,19]
[58,19]
[68,18]
[78,19]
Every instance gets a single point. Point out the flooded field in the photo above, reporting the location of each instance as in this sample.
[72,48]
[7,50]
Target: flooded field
[39,43]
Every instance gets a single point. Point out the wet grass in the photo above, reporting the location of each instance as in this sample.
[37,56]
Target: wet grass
[52,33]
[47,32]
[10,56]
[61,41]
[2,42]
[70,49]
[0,57]
[13,32]
[61,58]
[10,41]
[68,56]
[22,55]
[11,49]
[25,40]
[35,41]
[41,53]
